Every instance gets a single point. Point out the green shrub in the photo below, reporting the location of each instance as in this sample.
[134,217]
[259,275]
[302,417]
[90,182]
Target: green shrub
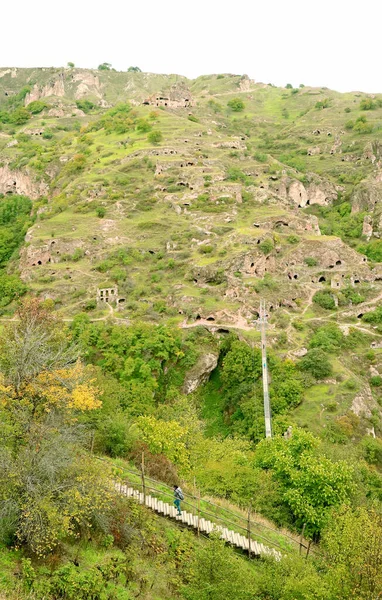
[193,118]
[293,239]
[85,105]
[374,316]
[316,362]
[20,116]
[266,246]
[104,66]
[376,381]
[260,157]
[372,250]
[36,106]
[362,126]
[90,305]
[322,103]
[310,261]
[372,449]
[154,137]
[324,299]
[101,212]
[236,104]
[289,86]
[328,337]
[206,249]
[367,104]
[143,126]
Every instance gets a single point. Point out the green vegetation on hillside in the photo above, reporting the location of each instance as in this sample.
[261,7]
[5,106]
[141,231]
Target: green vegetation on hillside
[159,212]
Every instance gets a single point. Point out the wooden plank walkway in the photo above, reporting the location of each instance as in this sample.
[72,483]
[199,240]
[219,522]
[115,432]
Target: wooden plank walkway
[203,525]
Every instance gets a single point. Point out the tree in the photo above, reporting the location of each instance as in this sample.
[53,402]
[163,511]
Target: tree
[236,104]
[367,104]
[241,363]
[49,490]
[143,125]
[104,66]
[325,299]
[36,106]
[311,483]
[71,65]
[316,363]
[353,544]
[20,116]
[328,337]
[154,137]
[134,70]
[289,86]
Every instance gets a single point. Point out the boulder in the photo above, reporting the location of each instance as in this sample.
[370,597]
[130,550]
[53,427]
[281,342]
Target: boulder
[200,372]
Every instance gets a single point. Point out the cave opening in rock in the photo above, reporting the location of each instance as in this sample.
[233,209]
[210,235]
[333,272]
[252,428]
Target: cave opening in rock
[322,279]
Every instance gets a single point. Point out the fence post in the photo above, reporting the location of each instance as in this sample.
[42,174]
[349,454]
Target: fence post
[198,513]
[143,477]
[249,531]
[302,535]
[308,548]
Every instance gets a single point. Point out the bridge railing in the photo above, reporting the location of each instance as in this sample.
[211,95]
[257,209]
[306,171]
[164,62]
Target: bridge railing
[222,515]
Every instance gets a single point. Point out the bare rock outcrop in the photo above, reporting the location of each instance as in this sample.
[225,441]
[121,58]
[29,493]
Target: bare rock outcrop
[367,195]
[364,403]
[54,88]
[200,372]
[297,193]
[322,193]
[367,227]
[19,182]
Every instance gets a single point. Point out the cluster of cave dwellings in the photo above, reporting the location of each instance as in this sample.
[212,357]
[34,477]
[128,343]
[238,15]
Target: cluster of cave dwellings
[170,101]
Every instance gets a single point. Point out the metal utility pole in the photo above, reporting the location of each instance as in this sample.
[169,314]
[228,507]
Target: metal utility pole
[267,407]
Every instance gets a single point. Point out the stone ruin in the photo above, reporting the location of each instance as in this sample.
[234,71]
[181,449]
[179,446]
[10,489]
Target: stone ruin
[108,295]
[177,97]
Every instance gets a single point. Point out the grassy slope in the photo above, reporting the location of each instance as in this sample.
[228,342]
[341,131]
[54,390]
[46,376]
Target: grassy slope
[164,277]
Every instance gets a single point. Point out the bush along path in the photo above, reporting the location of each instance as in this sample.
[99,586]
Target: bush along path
[247,544]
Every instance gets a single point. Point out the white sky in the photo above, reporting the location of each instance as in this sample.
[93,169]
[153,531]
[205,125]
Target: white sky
[333,43]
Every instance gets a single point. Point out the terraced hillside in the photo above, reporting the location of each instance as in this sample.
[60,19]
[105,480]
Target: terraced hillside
[163,199]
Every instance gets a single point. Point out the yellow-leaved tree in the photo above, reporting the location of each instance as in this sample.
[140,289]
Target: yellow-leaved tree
[50,489]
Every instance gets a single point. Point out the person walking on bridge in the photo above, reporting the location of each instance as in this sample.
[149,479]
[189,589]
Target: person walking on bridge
[178,496]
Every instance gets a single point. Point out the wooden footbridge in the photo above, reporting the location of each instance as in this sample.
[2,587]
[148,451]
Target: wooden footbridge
[246,543]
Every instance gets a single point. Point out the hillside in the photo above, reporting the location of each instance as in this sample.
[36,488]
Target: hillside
[152,213]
